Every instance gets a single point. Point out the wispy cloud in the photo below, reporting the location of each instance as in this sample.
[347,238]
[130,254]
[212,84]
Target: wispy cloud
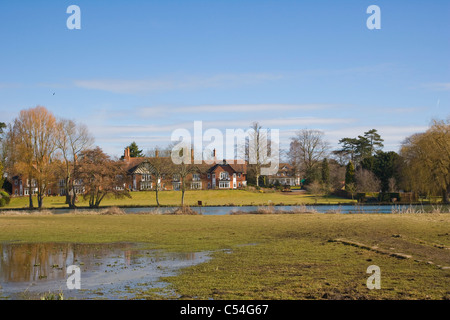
[405,110]
[438,86]
[176,83]
[234,108]
[7,85]
[250,108]
[282,124]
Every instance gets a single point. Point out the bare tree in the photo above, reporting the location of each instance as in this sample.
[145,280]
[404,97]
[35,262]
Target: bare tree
[427,160]
[392,184]
[101,176]
[366,181]
[71,140]
[31,146]
[337,175]
[316,189]
[262,152]
[160,166]
[183,167]
[307,148]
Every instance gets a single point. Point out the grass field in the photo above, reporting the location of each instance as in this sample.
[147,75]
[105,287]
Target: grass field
[208,198]
[285,256]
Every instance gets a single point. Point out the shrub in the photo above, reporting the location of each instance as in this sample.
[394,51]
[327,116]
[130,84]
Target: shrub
[4,198]
[182,211]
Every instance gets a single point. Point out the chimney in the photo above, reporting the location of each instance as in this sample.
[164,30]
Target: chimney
[127,154]
[192,155]
[156,153]
[214,155]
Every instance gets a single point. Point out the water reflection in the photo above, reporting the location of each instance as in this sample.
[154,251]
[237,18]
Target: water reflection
[106,267]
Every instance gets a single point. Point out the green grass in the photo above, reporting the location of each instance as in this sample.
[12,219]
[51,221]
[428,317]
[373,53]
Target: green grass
[208,197]
[272,256]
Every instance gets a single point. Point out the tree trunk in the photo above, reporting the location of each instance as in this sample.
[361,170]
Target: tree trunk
[257,180]
[72,197]
[157,193]
[182,193]
[40,201]
[40,198]
[445,192]
[30,196]
[157,196]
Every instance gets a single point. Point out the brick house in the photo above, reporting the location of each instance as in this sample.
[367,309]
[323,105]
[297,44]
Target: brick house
[219,175]
[23,187]
[286,176]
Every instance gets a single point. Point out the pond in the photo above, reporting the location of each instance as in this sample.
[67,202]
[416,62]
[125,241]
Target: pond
[224,210]
[107,271]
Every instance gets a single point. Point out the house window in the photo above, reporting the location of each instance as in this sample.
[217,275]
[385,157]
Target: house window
[196,177]
[209,185]
[224,176]
[26,192]
[224,184]
[176,185]
[239,175]
[234,175]
[16,182]
[146,177]
[240,185]
[196,185]
[15,192]
[146,185]
[209,176]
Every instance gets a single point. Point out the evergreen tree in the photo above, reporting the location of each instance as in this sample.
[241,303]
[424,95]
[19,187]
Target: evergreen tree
[386,166]
[349,175]
[134,150]
[360,148]
[374,140]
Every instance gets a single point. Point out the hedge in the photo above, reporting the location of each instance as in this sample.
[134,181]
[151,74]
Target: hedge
[4,198]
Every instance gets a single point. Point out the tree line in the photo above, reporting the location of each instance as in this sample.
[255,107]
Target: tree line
[45,150]
[422,164]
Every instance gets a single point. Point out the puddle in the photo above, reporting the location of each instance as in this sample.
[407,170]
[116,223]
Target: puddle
[108,271]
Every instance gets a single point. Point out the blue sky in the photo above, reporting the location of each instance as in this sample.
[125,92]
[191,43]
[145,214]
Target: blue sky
[137,70]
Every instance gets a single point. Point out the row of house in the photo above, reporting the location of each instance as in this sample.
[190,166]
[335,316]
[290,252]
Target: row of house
[219,175]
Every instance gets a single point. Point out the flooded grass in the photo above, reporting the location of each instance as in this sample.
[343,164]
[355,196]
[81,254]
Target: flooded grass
[291,256]
[108,271]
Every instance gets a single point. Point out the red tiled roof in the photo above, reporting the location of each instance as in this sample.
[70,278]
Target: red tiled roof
[132,164]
